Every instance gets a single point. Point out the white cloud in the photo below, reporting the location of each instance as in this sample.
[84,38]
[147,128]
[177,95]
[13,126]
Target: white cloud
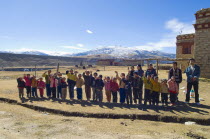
[169,40]
[74,47]
[88,31]
[176,26]
[80,45]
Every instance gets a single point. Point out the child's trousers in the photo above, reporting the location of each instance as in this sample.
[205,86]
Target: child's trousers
[99,95]
[53,89]
[129,96]
[79,93]
[64,93]
[21,92]
[164,98]
[108,95]
[114,96]
[28,91]
[41,91]
[147,96]
[34,92]
[122,95]
[137,93]
[155,98]
[173,97]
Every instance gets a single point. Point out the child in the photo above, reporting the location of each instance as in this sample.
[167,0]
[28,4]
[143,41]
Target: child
[41,87]
[34,86]
[87,78]
[53,85]
[27,79]
[147,90]
[107,85]
[155,90]
[59,89]
[79,84]
[128,90]
[137,84]
[99,88]
[122,86]
[71,82]
[173,89]
[164,92]
[64,88]
[21,86]
[47,76]
[114,88]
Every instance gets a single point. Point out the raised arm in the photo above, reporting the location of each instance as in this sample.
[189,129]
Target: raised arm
[117,76]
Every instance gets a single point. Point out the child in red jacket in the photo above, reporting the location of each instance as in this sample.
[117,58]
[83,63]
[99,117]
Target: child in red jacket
[114,87]
[173,89]
[41,86]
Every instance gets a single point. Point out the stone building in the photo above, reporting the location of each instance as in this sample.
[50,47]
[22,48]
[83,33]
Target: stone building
[197,45]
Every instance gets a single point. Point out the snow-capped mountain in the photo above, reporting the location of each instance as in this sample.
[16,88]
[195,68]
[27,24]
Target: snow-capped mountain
[103,52]
[125,52]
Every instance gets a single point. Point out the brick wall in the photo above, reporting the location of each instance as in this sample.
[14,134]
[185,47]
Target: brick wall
[202,42]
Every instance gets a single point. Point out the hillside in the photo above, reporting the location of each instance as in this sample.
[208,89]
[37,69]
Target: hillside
[15,60]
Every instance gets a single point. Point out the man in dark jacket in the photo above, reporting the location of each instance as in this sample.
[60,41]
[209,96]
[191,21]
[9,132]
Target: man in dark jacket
[93,84]
[137,84]
[177,73]
[87,77]
[193,74]
[150,71]
[99,88]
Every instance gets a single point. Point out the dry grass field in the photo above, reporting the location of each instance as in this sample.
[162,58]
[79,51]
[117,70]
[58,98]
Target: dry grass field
[147,129]
[18,122]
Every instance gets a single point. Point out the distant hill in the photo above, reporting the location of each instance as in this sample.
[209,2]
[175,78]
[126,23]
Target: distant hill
[18,60]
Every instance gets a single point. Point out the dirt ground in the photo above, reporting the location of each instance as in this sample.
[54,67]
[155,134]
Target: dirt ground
[19,122]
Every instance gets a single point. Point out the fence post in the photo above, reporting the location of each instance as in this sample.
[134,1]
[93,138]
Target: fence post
[58,67]
[157,66]
[35,70]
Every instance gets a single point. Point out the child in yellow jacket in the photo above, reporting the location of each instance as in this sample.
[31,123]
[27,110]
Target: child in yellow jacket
[164,92]
[155,90]
[147,89]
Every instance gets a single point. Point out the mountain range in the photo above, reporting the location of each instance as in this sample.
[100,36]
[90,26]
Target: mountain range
[104,52]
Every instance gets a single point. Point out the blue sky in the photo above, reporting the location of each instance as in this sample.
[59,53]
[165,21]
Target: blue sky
[69,26]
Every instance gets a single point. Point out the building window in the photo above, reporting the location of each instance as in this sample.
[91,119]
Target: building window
[186,50]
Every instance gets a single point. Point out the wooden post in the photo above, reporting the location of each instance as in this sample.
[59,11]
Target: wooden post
[35,70]
[58,67]
[157,66]
[147,63]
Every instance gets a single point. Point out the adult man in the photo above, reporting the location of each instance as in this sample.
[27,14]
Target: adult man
[71,82]
[87,77]
[193,74]
[177,73]
[150,71]
[93,84]
[47,75]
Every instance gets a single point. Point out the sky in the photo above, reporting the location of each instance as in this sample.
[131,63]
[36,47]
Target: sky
[71,26]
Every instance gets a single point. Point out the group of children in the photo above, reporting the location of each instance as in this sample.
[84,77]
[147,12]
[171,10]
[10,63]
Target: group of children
[130,86]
